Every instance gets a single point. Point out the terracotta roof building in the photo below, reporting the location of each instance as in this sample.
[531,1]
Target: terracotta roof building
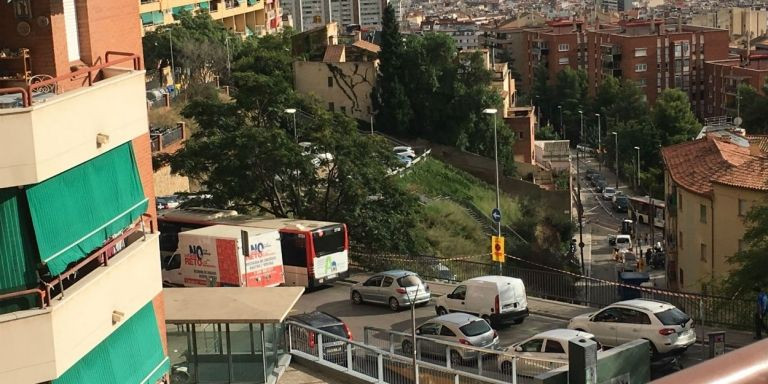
[710,184]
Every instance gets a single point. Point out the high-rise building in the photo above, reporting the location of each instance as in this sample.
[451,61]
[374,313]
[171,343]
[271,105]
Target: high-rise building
[318,13]
[245,17]
[80,285]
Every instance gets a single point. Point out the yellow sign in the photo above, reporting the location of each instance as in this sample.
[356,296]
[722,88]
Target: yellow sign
[497,248]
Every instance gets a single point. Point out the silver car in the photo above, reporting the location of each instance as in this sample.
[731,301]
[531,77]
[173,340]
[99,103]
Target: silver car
[457,329]
[396,288]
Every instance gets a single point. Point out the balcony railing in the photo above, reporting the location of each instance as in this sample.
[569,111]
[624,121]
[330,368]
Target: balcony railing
[164,138]
[47,290]
[30,92]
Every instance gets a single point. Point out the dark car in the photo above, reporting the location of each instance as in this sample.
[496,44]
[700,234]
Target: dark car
[334,349]
[599,186]
[591,173]
[620,203]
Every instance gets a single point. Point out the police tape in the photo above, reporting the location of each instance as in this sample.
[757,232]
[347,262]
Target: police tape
[406,258]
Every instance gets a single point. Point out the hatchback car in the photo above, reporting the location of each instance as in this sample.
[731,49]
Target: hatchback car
[405,151]
[454,330]
[668,329]
[541,353]
[396,288]
[334,348]
[609,193]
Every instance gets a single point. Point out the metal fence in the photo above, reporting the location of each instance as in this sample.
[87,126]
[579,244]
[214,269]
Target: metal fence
[567,287]
[370,363]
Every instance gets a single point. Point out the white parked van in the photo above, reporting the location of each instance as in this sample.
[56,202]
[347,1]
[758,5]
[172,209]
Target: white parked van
[500,300]
[623,242]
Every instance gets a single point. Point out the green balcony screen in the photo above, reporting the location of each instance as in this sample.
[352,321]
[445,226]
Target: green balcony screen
[76,212]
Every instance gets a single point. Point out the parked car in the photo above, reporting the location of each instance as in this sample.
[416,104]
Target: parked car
[334,350]
[600,185]
[595,178]
[541,353]
[397,288]
[620,203]
[609,193]
[404,159]
[457,328]
[591,172]
[405,151]
[623,242]
[167,202]
[318,157]
[630,261]
[668,329]
[500,300]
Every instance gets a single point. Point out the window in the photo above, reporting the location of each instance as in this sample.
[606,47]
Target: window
[641,83]
[743,207]
[294,249]
[702,213]
[680,201]
[703,256]
[631,316]
[520,134]
[387,282]
[533,345]
[429,329]
[331,107]
[641,52]
[610,315]
[445,331]
[460,292]
[680,238]
[343,109]
[330,81]
[553,346]
[70,27]
[642,67]
[563,47]
[682,281]
[562,60]
[374,281]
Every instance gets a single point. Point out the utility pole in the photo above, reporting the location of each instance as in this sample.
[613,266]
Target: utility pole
[580,210]
[562,130]
[616,150]
[173,74]
[599,145]
[229,64]
[413,336]
[581,135]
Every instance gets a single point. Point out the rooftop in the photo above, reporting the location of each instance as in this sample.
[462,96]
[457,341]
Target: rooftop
[229,304]
[696,165]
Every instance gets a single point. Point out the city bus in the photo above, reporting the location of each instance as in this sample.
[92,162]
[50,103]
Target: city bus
[644,208]
[314,252]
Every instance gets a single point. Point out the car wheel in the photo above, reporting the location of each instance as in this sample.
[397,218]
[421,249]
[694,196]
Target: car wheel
[519,321]
[487,320]
[407,348]
[652,350]
[506,367]
[441,311]
[393,304]
[357,298]
[456,359]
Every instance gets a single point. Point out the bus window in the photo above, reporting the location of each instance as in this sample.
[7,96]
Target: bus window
[328,241]
[294,249]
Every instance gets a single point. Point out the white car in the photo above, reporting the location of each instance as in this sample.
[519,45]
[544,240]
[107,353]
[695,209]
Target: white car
[541,353]
[405,151]
[668,329]
[455,328]
[609,193]
[623,242]
[318,158]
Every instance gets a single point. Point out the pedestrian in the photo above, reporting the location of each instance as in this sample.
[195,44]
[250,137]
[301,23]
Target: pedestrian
[647,242]
[760,311]
[648,256]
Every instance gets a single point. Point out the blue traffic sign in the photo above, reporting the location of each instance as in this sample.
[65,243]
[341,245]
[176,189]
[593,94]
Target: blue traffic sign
[496,215]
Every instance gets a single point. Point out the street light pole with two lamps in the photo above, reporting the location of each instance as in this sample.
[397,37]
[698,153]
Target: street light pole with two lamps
[493,111]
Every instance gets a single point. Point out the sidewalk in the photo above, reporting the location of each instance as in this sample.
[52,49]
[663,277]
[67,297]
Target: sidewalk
[566,311]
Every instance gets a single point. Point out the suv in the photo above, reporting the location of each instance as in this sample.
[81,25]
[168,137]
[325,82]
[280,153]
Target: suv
[396,288]
[334,350]
[620,203]
[668,329]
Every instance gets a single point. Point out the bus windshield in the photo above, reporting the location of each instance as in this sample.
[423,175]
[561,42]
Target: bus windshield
[329,240]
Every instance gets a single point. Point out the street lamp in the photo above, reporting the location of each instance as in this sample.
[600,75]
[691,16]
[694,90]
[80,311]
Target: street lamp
[637,184]
[492,111]
[599,145]
[292,111]
[581,117]
[562,131]
[170,40]
[616,150]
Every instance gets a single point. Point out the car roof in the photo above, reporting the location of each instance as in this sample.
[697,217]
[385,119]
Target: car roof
[456,318]
[653,306]
[396,273]
[623,236]
[316,319]
[563,334]
[496,279]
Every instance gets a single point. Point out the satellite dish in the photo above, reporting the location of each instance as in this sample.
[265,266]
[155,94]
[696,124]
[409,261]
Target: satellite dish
[737,121]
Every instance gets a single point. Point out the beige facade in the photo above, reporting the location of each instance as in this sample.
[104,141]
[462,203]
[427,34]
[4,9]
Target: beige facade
[245,17]
[740,22]
[343,87]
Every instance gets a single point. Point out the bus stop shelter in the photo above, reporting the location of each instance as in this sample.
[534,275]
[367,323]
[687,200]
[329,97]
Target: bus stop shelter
[227,334]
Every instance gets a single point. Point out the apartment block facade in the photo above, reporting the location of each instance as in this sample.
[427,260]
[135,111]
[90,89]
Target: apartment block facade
[244,17]
[723,78]
[80,286]
[317,13]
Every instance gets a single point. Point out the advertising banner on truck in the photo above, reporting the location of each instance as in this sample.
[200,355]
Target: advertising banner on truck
[200,261]
[264,263]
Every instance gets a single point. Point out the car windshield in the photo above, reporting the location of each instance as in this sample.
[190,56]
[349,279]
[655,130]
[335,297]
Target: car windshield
[621,199]
[622,240]
[673,316]
[609,190]
[474,328]
[337,330]
[409,281]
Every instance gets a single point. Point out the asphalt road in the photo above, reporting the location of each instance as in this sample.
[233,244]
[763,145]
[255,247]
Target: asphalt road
[335,300]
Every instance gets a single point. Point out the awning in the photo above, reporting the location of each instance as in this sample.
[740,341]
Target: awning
[76,212]
[229,304]
[18,259]
[133,353]
[150,18]
[205,5]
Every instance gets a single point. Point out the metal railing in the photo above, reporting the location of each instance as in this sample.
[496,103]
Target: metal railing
[164,138]
[572,288]
[370,363]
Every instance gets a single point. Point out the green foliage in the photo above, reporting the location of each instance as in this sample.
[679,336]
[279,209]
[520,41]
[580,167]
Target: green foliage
[673,118]
[449,231]
[749,265]
[753,109]
[246,153]
[547,132]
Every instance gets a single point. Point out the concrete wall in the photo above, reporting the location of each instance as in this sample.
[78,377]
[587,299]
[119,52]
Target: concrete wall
[351,84]
[729,222]
[693,267]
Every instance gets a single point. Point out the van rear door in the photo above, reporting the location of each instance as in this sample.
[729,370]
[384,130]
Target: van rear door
[512,296]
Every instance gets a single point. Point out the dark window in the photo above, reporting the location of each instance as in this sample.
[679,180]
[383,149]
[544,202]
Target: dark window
[337,330]
[610,315]
[460,292]
[673,316]
[387,282]
[409,281]
[630,316]
[169,234]
[533,345]
[331,107]
[330,81]
[294,249]
[344,110]
[172,262]
[429,329]
[328,240]
[445,331]
[477,327]
[374,281]
[553,346]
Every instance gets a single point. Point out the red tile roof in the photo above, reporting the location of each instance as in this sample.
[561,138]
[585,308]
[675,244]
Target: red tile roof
[362,44]
[333,54]
[696,165]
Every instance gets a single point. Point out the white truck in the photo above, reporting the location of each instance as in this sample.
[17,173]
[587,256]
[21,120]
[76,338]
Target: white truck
[226,255]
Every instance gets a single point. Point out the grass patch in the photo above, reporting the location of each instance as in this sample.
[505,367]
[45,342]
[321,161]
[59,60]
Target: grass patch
[450,231]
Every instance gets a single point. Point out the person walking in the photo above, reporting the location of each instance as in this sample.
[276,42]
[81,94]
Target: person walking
[760,312]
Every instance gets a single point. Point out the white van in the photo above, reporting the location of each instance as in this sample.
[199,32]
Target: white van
[623,242]
[500,300]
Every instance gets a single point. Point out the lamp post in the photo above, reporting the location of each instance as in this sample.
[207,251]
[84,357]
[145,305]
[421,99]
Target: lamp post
[581,134]
[562,130]
[637,183]
[170,40]
[492,111]
[616,150]
[599,145]
[229,64]
[292,112]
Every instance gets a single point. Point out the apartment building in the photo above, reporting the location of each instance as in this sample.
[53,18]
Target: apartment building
[710,183]
[507,39]
[741,23]
[560,44]
[80,286]
[244,17]
[723,78]
[466,34]
[317,13]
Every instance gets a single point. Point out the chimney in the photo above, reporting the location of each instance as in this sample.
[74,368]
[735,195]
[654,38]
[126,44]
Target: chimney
[679,22]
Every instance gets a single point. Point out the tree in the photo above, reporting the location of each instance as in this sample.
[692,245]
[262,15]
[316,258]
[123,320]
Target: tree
[753,109]
[571,86]
[673,118]
[749,264]
[394,109]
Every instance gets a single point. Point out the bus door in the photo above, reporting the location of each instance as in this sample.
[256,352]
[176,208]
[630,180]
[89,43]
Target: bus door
[295,257]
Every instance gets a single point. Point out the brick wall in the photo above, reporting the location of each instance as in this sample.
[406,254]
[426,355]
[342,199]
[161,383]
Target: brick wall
[143,154]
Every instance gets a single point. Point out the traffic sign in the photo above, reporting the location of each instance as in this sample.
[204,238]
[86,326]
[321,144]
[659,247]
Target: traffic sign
[496,215]
[497,248]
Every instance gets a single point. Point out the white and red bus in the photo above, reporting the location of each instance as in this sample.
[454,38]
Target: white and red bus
[644,209]
[314,252]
